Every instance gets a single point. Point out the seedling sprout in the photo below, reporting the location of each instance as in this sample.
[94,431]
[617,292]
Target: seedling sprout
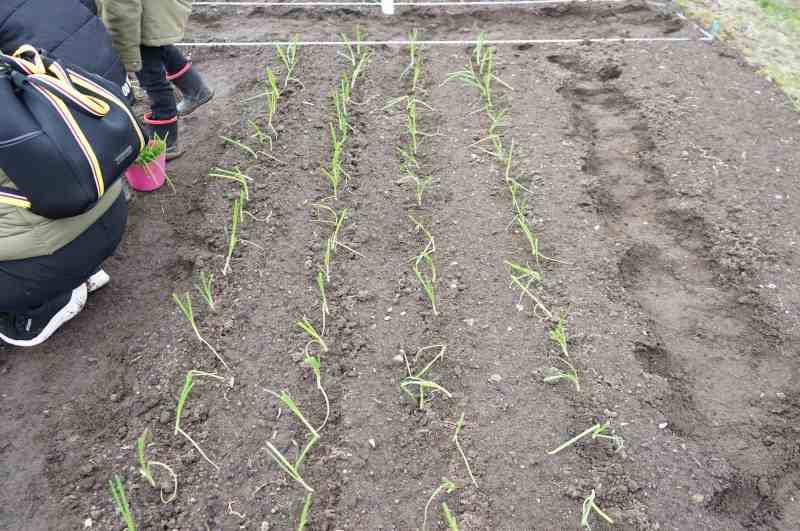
[289,57]
[187,388]
[449,518]
[447,486]
[314,363]
[292,468]
[459,426]
[236,218]
[121,502]
[306,509]
[206,289]
[315,336]
[589,505]
[598,431]
[422,384]
[188,312]
[146,471]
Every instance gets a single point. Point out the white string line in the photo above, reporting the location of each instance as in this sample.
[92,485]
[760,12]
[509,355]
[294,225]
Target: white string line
[448,43]
[406,4]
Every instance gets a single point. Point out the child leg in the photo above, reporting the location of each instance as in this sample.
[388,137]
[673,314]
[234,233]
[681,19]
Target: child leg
[193,88]
[163,116]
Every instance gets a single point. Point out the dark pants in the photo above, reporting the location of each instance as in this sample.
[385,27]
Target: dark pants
[158,63]
[27,284]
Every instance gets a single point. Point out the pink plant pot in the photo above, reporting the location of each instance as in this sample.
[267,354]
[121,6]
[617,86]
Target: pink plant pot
[150,177]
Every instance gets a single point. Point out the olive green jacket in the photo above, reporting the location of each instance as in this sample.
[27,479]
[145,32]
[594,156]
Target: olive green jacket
[24,234]
[134,23]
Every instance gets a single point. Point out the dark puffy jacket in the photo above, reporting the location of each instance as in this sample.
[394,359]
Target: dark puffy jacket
[68,29]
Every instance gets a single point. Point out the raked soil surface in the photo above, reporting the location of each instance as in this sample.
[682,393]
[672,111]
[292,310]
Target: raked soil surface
[663,177]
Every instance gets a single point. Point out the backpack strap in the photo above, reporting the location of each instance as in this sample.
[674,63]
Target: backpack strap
[9,196]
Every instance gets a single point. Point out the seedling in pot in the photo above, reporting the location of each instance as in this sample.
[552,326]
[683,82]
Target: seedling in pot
[188,312]
[304,514]
[121,502]
[314,363]
[292,469]
[589,505]
[448,487]
[315,336]
[598,431]
[149,156]
[146,471]
[449,518]
[459,426]
[206,289]
[187,388]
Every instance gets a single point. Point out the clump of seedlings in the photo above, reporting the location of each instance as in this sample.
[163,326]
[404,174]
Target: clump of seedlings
[589,506]
[315,337]
[121,502]
[290,57]
[524,277]
[425,268]
[292,468]
[357,55]
[188,312]
[418,380]
[146,471]
[446,486]
[184,396]
[598,431]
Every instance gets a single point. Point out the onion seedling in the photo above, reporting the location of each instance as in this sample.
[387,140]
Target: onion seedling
[449,518]
[356,55]
[335,173]
[206,289]
[188,312]
[241,145]
[121,502]
[447,486]
[287,466]
[589,505]
[523,277]
[187,388]
[324,300]
[425,268]
[234,175]
[459,426]
[289,57]
[315,336]
[304,515]
[419,380]
[146,471]
[315,364]
[598,431]
[571,376]
[236,218]
[272,94]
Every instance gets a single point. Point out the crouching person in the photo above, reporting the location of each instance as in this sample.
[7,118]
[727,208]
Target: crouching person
[66,139]
[48,266]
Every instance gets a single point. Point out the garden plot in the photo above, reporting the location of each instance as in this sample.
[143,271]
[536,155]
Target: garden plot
[422,287]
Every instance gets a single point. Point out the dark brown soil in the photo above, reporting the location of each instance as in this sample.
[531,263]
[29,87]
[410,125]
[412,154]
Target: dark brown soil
[664,175]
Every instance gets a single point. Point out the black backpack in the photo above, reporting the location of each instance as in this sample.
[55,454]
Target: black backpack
[65,135]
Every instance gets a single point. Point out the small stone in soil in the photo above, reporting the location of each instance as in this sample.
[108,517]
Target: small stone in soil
[495,378]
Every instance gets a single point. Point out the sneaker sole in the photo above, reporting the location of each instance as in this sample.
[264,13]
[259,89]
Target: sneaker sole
[65,314]
[199,104]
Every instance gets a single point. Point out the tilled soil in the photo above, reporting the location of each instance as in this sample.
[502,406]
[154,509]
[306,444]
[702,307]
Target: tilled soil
[661,176]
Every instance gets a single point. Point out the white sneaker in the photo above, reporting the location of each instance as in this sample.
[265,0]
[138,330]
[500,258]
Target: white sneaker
[30,330]
[97,281]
